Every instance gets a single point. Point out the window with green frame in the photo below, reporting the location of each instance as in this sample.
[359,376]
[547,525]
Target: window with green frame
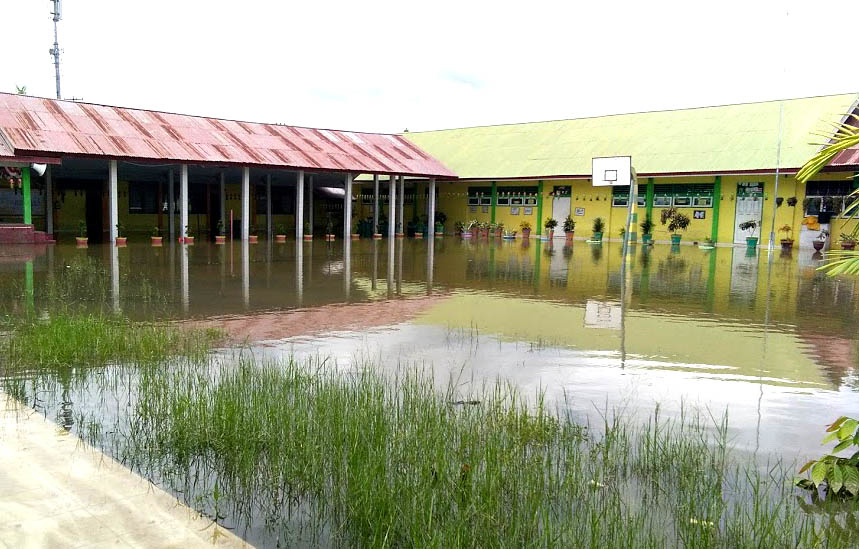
[683,195]
[620,197]
[517,196]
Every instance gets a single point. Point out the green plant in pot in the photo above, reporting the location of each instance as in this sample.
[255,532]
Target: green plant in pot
[569,228]
[676,221]
[598,228]
[786,241]
[81,238]
[280,233]
[848,240]
[440,218]
[121,238]
[525,226]
[646,230]
[550,225]
[750,227]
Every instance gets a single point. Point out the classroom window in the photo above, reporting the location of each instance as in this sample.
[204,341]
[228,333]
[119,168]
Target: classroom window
[702,202]
[142,198]
[620,200]
[662,201]
[682,201]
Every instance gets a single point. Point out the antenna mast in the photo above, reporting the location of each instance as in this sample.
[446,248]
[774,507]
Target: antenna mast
[55,51]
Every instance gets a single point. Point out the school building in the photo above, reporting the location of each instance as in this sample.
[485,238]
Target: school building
[70,167]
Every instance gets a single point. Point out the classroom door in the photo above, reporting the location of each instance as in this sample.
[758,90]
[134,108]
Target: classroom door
[750,206]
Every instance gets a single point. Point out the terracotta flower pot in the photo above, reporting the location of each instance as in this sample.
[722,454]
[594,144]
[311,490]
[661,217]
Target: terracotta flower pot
[848,245]
[377,236]
[355,236]
[81,241]
[329,237]
[419,235]
[189,240]
[568,236]
[156,240]
[307,237]
[526,233]
[483,233]
[818,245]
[121,241]
[220,239]
[253,239]
[280,238]
[400,235]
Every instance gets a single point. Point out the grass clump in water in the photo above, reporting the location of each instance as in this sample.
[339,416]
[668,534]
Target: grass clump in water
[317,455]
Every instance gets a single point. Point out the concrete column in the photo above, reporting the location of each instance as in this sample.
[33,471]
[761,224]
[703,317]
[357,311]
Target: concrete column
[347,268]
[402,227]
[299,206]
[186,285]
[223,191]
[114,277]
[171,205]
[431,207]
[183,201]
[392,206]
[25,195]
[376,204]
[268,225]
[49,201]
[299,273]
[310,202]
[347,208]
[246,203]
[112,193]
[246,272]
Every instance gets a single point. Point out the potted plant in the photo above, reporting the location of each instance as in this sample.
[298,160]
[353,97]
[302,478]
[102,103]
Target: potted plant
[750,227]
[474,227]
[550,225]
[280,233]
[440,218]
[569,228]
[458,228]
[466,229]
[308,232]
[708,244]
[81,239]
[329,229]
[787,241]
[355,235]
[499,230]
[676,221]
[791,201]
[399,231]
[188,239]
[646,230]
[848,241]
[598,228]
[221,237]
[155,238]
[483,229]
[526,229]
[253,238]
[121,239]
[820,241]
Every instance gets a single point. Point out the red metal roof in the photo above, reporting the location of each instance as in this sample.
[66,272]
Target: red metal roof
[848,157]
[34,125]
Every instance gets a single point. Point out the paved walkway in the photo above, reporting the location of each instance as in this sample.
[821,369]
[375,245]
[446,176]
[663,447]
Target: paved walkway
[55,491]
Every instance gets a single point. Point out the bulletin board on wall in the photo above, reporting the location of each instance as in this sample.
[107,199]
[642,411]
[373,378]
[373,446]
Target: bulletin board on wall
[12,202]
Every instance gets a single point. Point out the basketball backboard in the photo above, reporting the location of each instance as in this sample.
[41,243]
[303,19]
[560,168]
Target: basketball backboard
[609,171]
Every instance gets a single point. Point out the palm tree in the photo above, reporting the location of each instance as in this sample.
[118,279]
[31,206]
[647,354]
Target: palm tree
[846,136]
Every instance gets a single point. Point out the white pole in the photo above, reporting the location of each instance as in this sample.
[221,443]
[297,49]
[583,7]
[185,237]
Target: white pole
[777,168]
[376,204]
[113,207]
[49,202]
[401,228]
[268,225]
[246,203]
[310,202]
[299,206]
[347,208]
[392,206]
[431,207]
[183,201]
[171,204]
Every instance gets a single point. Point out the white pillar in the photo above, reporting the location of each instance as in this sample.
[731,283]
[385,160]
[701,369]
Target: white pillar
[268,225]
[347,268]
[299,206]
[246,203]
[299,273]
[310,202]
[183,201]
[402,227]
[431,207]
[375,204]
[392,206]
[171,205]
[112,207]
[347,208]
[186,285]
[114,277]
[246,272]
[49,202]
[223,190]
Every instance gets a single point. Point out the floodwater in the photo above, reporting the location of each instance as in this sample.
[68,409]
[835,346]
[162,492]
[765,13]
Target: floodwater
[770,340]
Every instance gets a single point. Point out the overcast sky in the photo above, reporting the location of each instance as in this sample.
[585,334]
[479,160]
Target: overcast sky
[387,66]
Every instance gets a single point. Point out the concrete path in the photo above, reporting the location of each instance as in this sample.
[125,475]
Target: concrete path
[55,491]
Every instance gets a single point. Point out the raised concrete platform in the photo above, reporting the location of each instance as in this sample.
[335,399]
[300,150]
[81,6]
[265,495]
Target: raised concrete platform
[20,233]
[56,491]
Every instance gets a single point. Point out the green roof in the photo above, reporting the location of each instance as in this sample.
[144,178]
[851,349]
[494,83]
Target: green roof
[723,139]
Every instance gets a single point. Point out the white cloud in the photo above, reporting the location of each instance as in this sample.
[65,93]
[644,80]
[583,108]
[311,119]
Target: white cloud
[385,66]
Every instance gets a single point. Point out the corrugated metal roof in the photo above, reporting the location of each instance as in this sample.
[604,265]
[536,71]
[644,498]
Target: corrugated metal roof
[37,125]
[848,157]
[723,139]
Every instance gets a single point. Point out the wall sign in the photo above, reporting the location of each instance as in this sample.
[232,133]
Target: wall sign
[699,214]
[484,209]
[514,211]
[529,211]
[580,211]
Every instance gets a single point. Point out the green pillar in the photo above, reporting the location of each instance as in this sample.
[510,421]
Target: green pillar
[25,186]
[539,208]
[711,282]
[28,284]
[717,201]
[649,197]
[494,200]
[537,247]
